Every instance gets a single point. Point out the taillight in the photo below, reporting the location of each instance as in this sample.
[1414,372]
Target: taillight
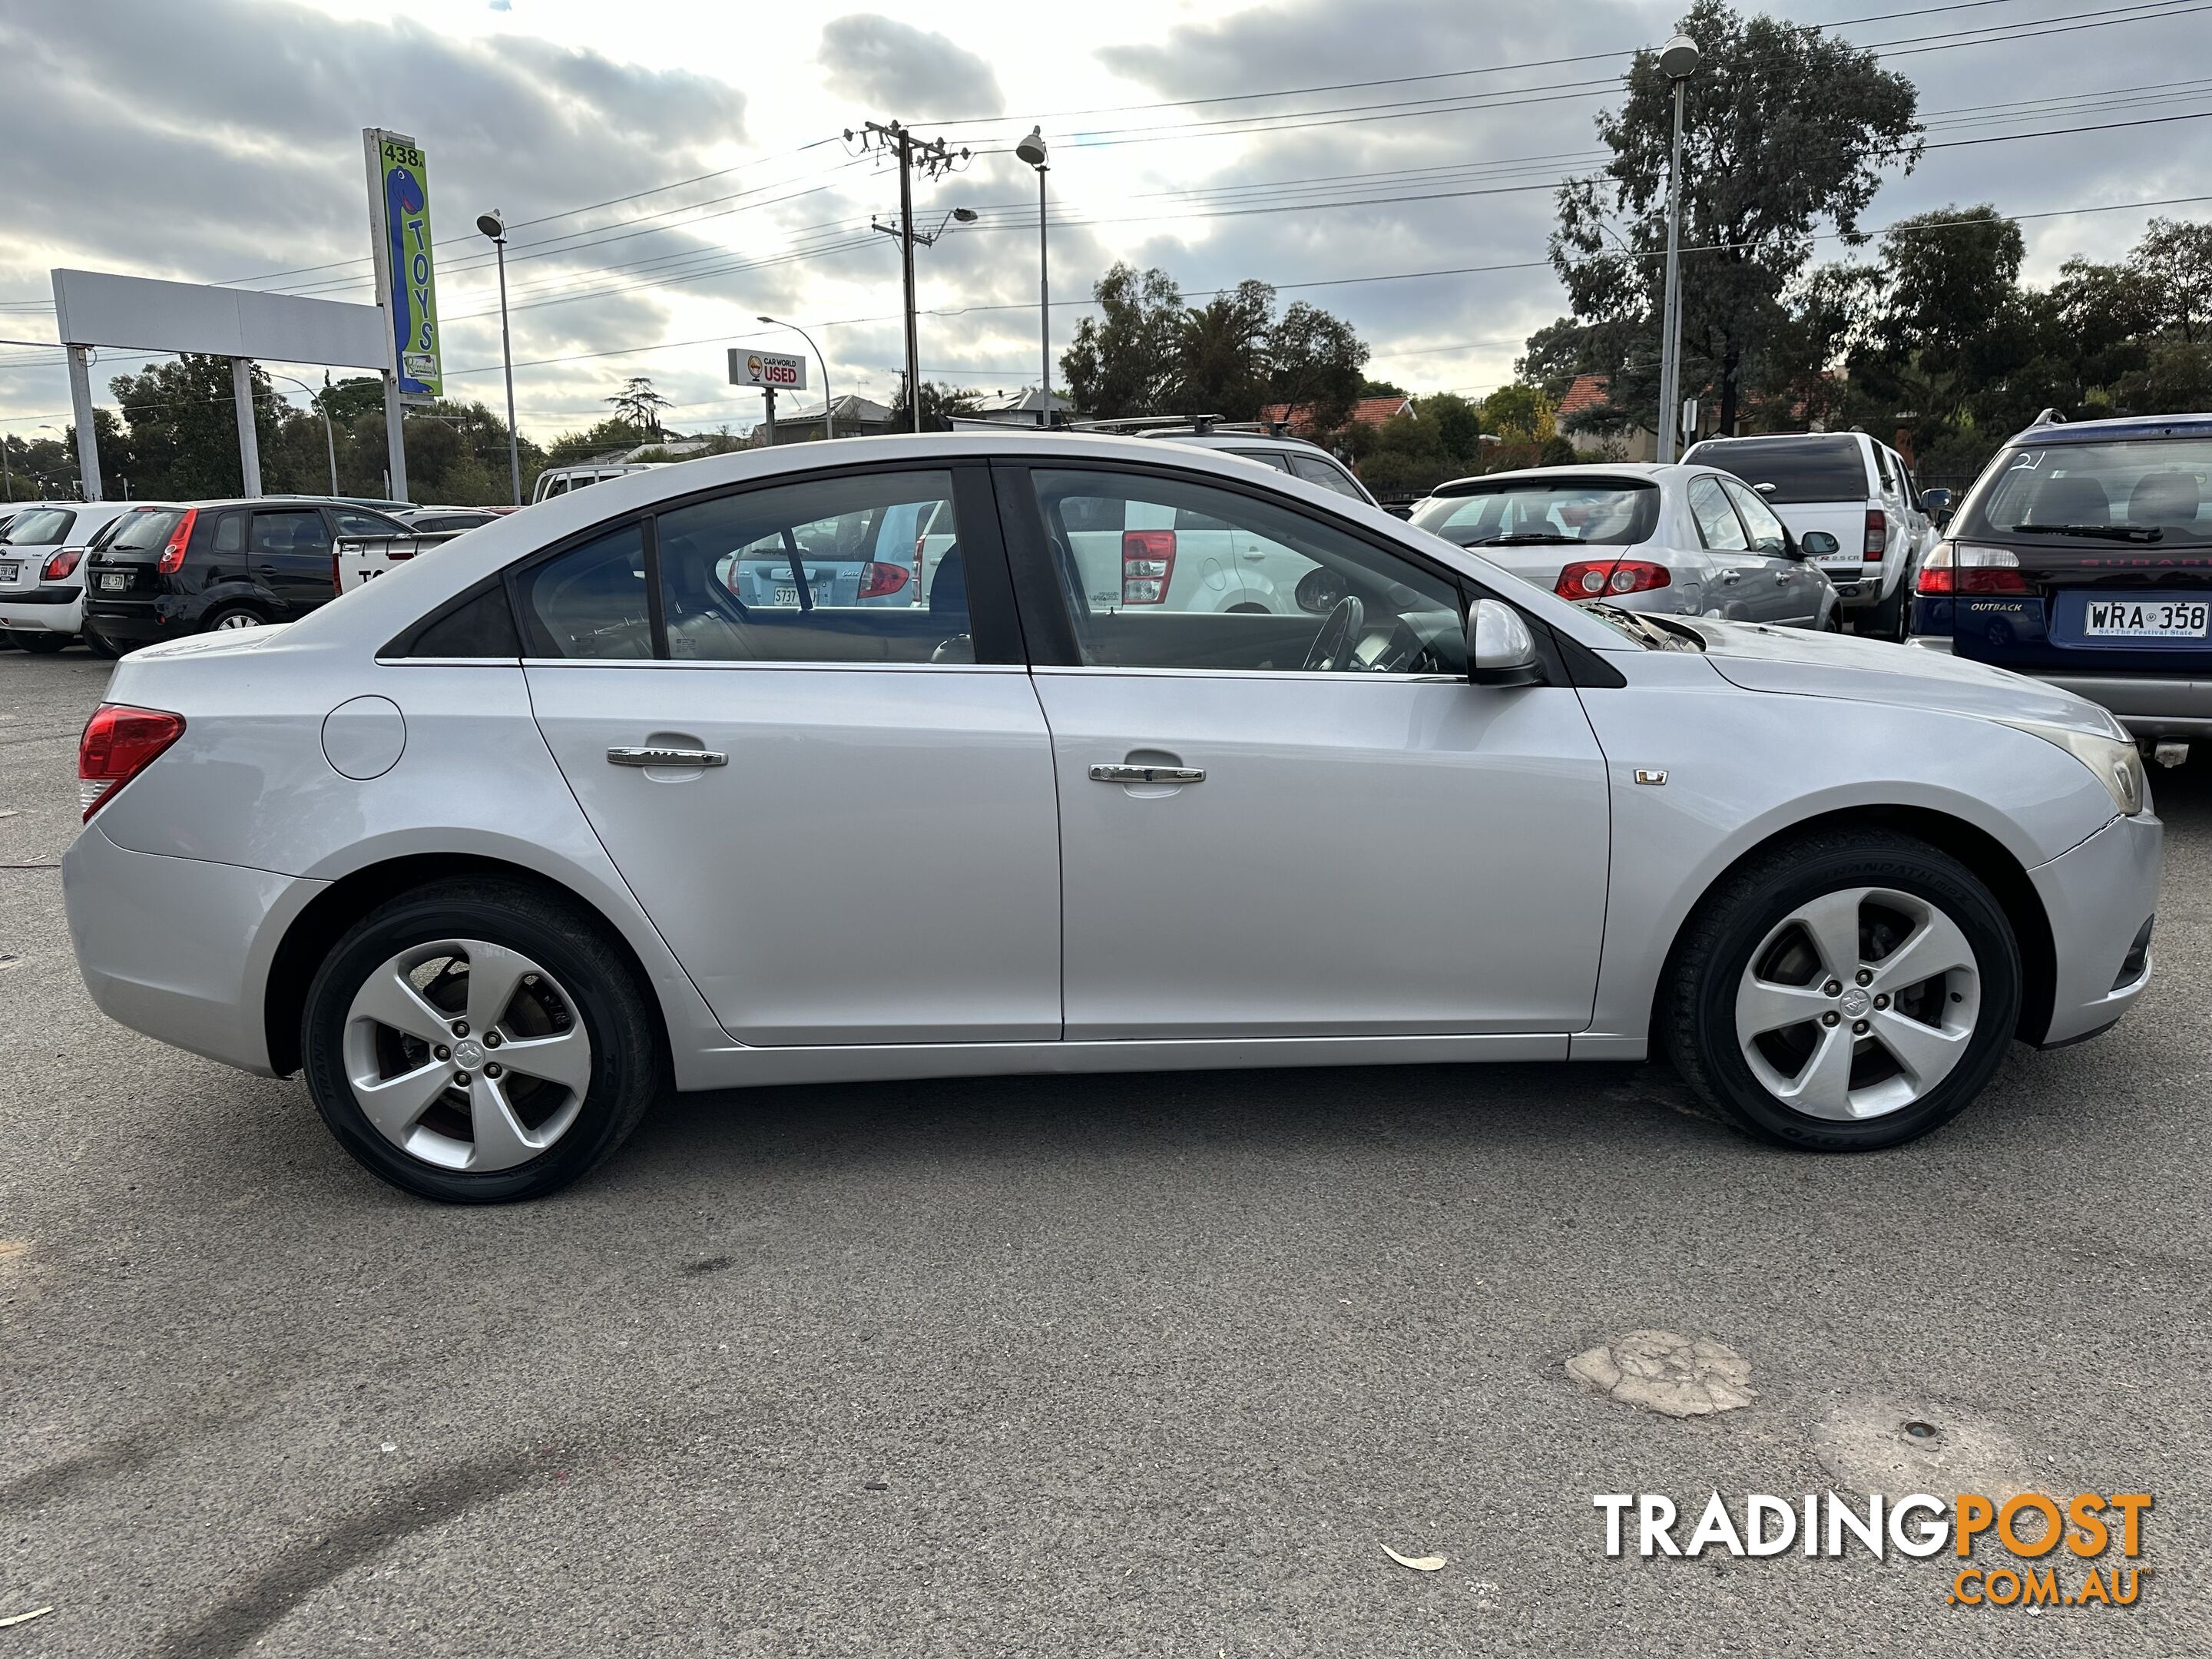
[1147,565]
[119,742]
[1594,578]
[1963,568]
[1877,533]
[877,580]
[172,556]
[62,563]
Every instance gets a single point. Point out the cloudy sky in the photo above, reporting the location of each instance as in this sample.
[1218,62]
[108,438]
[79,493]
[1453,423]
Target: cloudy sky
[673,169]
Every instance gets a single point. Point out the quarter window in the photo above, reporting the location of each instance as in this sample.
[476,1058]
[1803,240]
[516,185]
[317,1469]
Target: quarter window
[1717,525]
[1161,572]
[862,568]
[1313,469]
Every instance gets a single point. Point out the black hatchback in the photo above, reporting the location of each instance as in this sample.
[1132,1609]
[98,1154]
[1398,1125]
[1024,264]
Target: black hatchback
[2084,557]
[220,564]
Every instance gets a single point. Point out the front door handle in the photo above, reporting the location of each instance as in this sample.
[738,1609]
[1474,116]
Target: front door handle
[1148,774]
[649,754]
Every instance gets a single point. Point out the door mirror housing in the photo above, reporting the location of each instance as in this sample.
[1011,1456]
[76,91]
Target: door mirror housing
[1500,649]
[1817,544]
[1936,504]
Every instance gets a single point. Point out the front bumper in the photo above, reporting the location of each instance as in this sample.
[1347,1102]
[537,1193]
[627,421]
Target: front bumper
[2098,897]
[44,610]
[179,948]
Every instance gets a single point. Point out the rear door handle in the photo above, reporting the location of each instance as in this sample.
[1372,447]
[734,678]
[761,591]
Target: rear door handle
[647,755]
[1148,774]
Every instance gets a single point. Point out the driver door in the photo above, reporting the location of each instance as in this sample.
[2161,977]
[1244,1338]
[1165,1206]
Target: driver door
[1300,824]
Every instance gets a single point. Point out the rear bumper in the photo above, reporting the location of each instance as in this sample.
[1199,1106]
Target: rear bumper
[179,948]
[2149,705]
[44,610]
[2098,897]
[131,622]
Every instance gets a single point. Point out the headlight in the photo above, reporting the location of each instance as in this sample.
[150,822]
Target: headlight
[2116,761]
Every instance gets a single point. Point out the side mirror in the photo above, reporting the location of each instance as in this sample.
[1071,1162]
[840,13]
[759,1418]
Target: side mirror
[1936,504]
[1500,649]
[1765,489]
[1818,544]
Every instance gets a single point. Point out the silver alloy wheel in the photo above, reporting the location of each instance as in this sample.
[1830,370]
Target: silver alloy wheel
[237,619]
[1858,1003]
[466,1055]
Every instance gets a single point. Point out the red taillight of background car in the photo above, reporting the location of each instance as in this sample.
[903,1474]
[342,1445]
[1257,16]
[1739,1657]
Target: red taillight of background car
[62,564]
[119,742]
[1877,533]
[1962,567]
[1598,578]
[879,580]
[1147,565]
[172,556]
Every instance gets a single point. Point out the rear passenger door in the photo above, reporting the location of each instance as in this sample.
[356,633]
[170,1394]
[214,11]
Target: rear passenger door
[289,551]
[1744,588]
[840,816]
[1799,585]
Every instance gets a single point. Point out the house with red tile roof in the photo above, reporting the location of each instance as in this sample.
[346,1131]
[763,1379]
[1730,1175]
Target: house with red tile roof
[1366,411]
[1591,391]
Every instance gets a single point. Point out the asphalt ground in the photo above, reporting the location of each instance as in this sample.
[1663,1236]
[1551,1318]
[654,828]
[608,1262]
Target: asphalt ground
[1144,1365]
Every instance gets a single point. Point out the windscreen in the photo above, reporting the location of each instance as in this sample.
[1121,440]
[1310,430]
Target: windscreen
[2151,489]
[1607,512]
[144,532]
[42,526]
[1808,469]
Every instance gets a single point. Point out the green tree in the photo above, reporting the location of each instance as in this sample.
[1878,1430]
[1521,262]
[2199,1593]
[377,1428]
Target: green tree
[1784,126]
[1314,362]
[1946,282]
[1125,360]
[1457,423]
[638,404]
[1222,353]
[1519,413]
[939,403]
[180,428]
[2174,260]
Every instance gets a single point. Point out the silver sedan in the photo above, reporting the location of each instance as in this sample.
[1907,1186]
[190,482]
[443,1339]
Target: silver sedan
[1691,541]
[500,848]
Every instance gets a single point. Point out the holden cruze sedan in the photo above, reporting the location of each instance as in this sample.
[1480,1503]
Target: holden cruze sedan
[501,846]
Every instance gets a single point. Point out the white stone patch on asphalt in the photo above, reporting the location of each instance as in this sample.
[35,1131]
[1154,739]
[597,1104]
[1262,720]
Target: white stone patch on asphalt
[1896,1446]
[1661,1371]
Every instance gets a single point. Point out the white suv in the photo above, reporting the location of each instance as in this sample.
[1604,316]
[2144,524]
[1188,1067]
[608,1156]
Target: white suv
[1859,491]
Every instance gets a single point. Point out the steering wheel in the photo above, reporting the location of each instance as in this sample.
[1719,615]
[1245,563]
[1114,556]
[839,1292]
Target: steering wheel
[1340,632]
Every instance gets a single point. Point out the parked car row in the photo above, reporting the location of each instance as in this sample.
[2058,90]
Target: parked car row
[121,574]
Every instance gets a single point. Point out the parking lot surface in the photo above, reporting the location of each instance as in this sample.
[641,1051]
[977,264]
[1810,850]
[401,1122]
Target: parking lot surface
[1152,1365]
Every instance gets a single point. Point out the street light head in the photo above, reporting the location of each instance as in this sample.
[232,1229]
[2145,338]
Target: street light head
[763,319]
[492,225]
[964,216]
[1678,58]
[1031,150]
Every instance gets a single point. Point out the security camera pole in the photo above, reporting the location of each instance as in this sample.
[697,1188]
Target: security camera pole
[1678,62]
[936,159]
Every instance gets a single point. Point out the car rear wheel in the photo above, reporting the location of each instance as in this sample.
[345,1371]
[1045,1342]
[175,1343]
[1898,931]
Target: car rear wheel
[479,1042]
[1847,992]
[99,645]
[235,615]
[42,645]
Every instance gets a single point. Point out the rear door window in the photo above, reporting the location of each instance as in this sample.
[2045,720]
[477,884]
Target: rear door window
[1313,469]
[1717,525]
[590,601]
[291,532]
[1816,468]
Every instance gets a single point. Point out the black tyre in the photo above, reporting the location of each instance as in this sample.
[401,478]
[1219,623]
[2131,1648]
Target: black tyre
[42,644]
[479,1042]
[1851,991]
[99,645]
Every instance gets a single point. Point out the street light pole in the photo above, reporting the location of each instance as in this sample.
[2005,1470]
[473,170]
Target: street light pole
[314,403]
[492,225]
[828,431]
[1678,62]
[1032,150]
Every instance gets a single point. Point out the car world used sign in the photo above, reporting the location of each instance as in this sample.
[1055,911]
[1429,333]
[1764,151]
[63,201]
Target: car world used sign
[767,368]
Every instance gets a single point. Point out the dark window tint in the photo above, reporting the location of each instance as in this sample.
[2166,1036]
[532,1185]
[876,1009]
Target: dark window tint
[1313,469]
[589,601]
[230,533]
[42,526]
[2128,489]
[484,627]
[1809,469]
[291,532]
[352,522]
[145,531]
[1265,457]
[860,568]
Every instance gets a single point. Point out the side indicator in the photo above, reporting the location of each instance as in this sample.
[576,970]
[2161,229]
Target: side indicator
[1645,775]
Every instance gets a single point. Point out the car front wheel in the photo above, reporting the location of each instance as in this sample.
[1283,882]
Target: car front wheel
[1851,991]
[479,1042]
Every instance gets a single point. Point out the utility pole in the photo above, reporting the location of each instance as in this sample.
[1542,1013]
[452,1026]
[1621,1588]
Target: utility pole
[935,159]
[1678,62]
